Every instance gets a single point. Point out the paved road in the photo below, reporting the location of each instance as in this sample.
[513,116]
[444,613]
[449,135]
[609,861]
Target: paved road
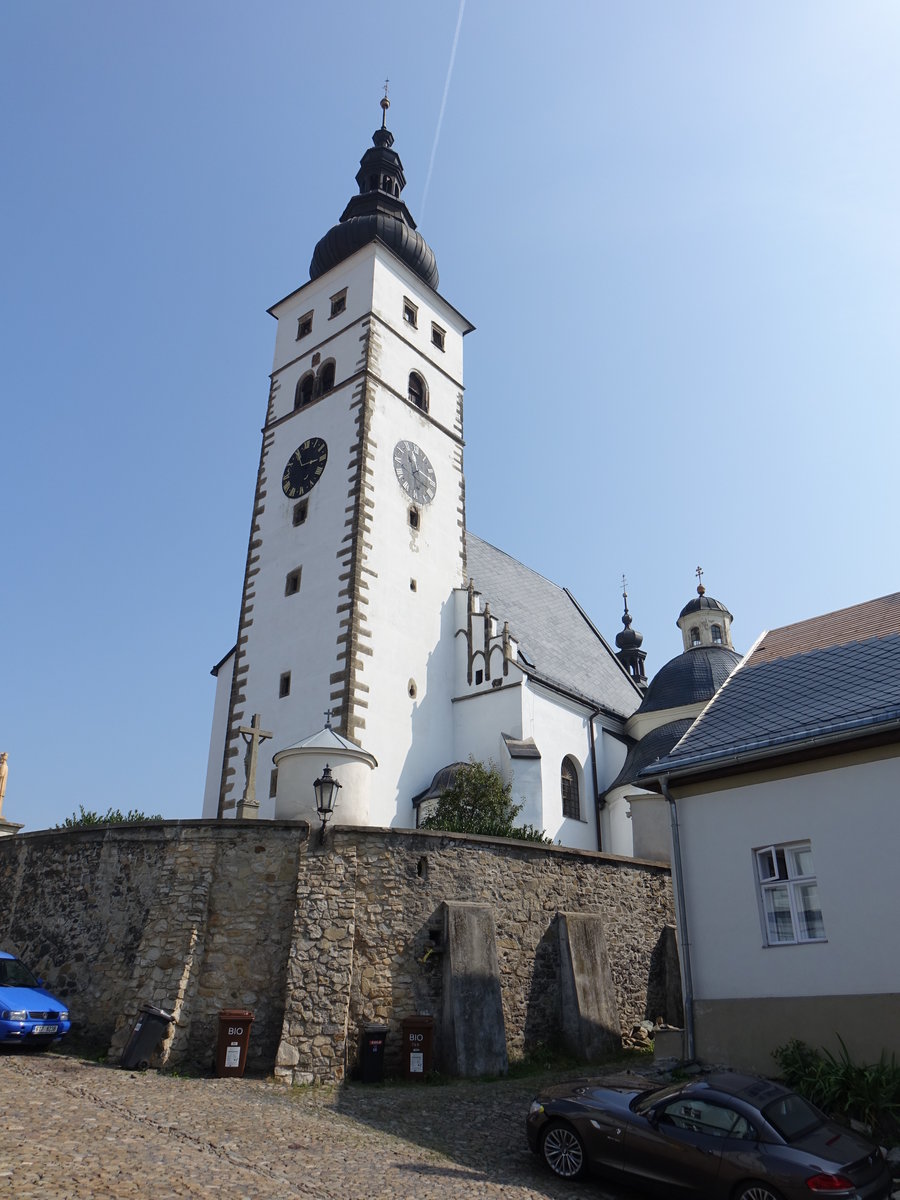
[71,1129]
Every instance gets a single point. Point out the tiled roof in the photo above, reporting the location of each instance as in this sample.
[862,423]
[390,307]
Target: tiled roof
[557,640]
[693,676]
[833,676]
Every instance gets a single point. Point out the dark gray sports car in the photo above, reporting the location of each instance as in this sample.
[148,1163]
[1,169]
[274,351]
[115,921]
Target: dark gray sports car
[722,1137]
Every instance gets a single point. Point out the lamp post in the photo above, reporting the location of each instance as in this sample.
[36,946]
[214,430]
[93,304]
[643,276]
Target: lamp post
[326,789]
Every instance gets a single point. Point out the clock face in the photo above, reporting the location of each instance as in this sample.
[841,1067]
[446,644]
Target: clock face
[414,472]
[304,467]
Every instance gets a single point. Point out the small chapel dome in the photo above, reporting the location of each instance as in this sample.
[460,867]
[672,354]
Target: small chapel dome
[377,214]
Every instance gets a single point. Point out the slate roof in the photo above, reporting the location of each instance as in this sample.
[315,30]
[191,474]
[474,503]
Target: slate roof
[829,678]
[695,675]
[654,745]
[557,642]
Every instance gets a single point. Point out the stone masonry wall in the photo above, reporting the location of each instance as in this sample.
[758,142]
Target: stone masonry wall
[317,940]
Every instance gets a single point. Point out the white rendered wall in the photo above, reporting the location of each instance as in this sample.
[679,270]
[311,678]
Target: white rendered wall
[217,739]
[851,817]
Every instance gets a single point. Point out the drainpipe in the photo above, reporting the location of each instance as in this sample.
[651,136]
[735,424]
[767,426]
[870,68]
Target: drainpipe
[684,957]
[598,803]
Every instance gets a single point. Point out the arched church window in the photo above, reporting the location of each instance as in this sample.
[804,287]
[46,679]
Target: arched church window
[716,632]
[416,391]
[304,392]
[571,805]
[326,377]
[695,636]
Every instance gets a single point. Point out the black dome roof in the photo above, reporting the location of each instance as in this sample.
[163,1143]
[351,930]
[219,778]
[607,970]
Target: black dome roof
[377,213]
[696,674]
[346,238]
[701,602]
[652,746]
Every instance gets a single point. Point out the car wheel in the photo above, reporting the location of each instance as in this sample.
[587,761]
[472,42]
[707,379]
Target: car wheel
[756,1190]
[563,1151]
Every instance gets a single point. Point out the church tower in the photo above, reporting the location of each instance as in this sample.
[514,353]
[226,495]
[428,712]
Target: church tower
[357,536]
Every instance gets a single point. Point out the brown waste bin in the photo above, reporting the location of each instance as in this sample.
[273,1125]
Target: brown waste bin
[234,1039]
[418,1037]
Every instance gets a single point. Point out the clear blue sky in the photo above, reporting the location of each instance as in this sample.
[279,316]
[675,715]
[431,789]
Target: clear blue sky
[675,227]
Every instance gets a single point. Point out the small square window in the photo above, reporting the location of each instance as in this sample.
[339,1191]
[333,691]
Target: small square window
[284,685]
[410,313]
[413,586]
[414,518]
[301,508]
[479,677]
[304,325]
[292,582]
[338,303]
[437,336]
[273,782]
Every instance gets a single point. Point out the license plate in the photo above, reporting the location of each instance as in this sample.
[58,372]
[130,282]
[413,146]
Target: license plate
[45,1029]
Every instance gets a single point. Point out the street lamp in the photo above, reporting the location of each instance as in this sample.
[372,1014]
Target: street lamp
[326,788]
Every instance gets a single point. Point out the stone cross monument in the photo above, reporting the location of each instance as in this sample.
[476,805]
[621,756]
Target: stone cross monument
[248,805]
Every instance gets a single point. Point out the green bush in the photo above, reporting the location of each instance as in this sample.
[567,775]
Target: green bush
[869,1093]
[480,802]
[114,816]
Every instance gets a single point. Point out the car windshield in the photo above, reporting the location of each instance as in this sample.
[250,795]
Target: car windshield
[646,1100]
[792,1117]
[15,974]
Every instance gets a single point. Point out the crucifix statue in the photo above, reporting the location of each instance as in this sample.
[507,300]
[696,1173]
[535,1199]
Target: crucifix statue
[248,805]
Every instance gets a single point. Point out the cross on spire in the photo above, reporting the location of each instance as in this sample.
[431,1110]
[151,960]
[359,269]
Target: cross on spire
[385,103]
[700,588]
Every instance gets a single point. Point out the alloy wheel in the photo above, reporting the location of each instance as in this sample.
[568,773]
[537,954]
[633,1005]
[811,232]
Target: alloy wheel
[564,1152]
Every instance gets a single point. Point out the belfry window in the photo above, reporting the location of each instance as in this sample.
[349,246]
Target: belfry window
[437,336]
[416,391]
[695,636]
[716,632]
[304,393]
[304,325]
[326,377]
[568,782]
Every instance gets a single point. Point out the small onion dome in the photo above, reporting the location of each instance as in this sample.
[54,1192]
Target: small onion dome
[628,638]
[377,214]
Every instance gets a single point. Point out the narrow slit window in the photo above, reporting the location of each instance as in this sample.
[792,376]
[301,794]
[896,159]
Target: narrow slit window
[273,782]
[437,336]
[284,685]
[301,508]
[571,804]
[414,518]
[292,582]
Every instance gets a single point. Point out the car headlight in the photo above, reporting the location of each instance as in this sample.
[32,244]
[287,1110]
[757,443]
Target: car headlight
[10,1015]
[64,1016]
[536,1107]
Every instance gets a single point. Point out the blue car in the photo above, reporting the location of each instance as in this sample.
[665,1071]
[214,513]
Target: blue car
[29,1014]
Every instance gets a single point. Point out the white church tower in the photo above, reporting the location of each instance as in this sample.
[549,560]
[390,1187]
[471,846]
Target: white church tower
[357,538]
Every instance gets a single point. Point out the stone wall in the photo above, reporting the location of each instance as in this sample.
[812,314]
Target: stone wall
[317,940]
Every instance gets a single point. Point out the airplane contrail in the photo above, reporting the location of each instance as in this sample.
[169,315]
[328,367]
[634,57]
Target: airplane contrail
[437,132]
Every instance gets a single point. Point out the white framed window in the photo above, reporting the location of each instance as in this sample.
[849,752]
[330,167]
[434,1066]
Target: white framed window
[716,632]
[789,894]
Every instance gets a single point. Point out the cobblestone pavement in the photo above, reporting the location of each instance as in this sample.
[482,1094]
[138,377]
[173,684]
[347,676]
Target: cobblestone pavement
[72,1129]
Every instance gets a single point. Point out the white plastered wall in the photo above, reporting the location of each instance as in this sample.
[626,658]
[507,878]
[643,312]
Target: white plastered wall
[850,815]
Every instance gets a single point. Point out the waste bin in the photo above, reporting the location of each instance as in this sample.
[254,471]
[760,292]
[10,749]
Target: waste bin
[371,1058]
[418,1035]
[149,1030]
[234,1039]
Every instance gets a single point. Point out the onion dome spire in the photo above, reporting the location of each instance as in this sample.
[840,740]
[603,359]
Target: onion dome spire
[377,213]
[629,641]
